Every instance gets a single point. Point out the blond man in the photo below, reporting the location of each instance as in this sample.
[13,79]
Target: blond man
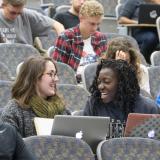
[82,42]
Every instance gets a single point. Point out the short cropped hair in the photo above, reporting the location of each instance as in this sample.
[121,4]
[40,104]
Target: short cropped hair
[91,9]
[15,2]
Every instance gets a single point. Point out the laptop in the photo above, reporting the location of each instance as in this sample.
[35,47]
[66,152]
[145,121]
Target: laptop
[148,13]
[91,129]
[143,125]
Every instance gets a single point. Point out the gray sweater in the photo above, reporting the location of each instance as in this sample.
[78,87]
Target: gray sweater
[21,118]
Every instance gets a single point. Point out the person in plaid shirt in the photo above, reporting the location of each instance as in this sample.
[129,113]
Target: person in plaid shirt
[82,40]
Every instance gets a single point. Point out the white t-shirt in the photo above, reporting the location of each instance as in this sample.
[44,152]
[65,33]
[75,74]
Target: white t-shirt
[88,55]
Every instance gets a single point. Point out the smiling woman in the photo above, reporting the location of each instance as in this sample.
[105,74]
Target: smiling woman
[115,92]
[34,95]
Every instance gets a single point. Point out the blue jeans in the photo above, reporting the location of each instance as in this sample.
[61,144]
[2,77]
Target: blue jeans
[147,39]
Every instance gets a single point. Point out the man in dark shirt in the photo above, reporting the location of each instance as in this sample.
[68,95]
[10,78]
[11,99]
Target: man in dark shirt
[147,38]
[70,18]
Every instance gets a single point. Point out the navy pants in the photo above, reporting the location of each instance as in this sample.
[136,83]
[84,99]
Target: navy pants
[147,39]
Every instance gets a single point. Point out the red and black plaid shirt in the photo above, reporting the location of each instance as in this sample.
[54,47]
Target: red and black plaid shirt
[69,46]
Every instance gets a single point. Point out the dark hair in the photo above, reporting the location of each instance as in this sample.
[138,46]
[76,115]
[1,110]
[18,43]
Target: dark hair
[128,87]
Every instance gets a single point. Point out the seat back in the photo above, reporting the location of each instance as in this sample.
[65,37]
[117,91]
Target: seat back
[4,72]
[56,2]
[155,58]
[154,80]
[59,3]
[62,8]
[5,92]
[158,26]
[12,54]
[109,7]
[66,74]
[77,113]
[88,75]
[75,97]
[128,148]
[58,148]
[48,41]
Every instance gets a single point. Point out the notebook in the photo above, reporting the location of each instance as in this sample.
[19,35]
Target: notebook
[143,125]
[43,125]
[148,13]
[91,129]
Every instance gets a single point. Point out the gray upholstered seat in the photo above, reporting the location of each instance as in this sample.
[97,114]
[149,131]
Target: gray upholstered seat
[129,148]
[88,75]
[5,92]
[75,97]
[109,7]
[77,113]
[66,74]
[158,26]
[62,8]
[13,54]
[4,72]
[154,80]
[155,58]
[59,148]
[48,41]
[59,3]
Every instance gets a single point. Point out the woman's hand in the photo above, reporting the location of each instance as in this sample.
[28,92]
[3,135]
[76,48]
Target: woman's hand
[122,55]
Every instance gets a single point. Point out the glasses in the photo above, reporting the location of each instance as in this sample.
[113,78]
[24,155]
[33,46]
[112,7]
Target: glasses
[51,74]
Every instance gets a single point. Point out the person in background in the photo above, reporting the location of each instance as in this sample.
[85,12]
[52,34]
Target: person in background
[33,95]
[115,92]
[84,39]
[12,144]
[82,44]
[147,38]
[121,48]
[21,25]
[70,18]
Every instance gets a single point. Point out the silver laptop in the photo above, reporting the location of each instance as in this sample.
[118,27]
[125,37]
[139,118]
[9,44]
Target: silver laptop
[91,129]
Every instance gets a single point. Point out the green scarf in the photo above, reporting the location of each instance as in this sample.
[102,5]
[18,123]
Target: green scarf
[47,108]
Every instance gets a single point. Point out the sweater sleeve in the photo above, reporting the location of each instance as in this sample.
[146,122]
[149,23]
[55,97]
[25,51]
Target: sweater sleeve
[88,110]
[11,115]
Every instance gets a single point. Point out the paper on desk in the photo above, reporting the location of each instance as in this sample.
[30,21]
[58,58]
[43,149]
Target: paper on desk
[43,125]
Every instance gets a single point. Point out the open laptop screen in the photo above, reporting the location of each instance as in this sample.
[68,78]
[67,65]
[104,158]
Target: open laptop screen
[91,129]
[148,13]
[143,125]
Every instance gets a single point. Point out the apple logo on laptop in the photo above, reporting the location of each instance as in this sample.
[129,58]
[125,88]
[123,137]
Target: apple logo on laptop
[79,135]
[151,134]
[153,14]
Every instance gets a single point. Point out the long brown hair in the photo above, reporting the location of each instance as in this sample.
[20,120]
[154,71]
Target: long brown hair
[122,44]
[25,84]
